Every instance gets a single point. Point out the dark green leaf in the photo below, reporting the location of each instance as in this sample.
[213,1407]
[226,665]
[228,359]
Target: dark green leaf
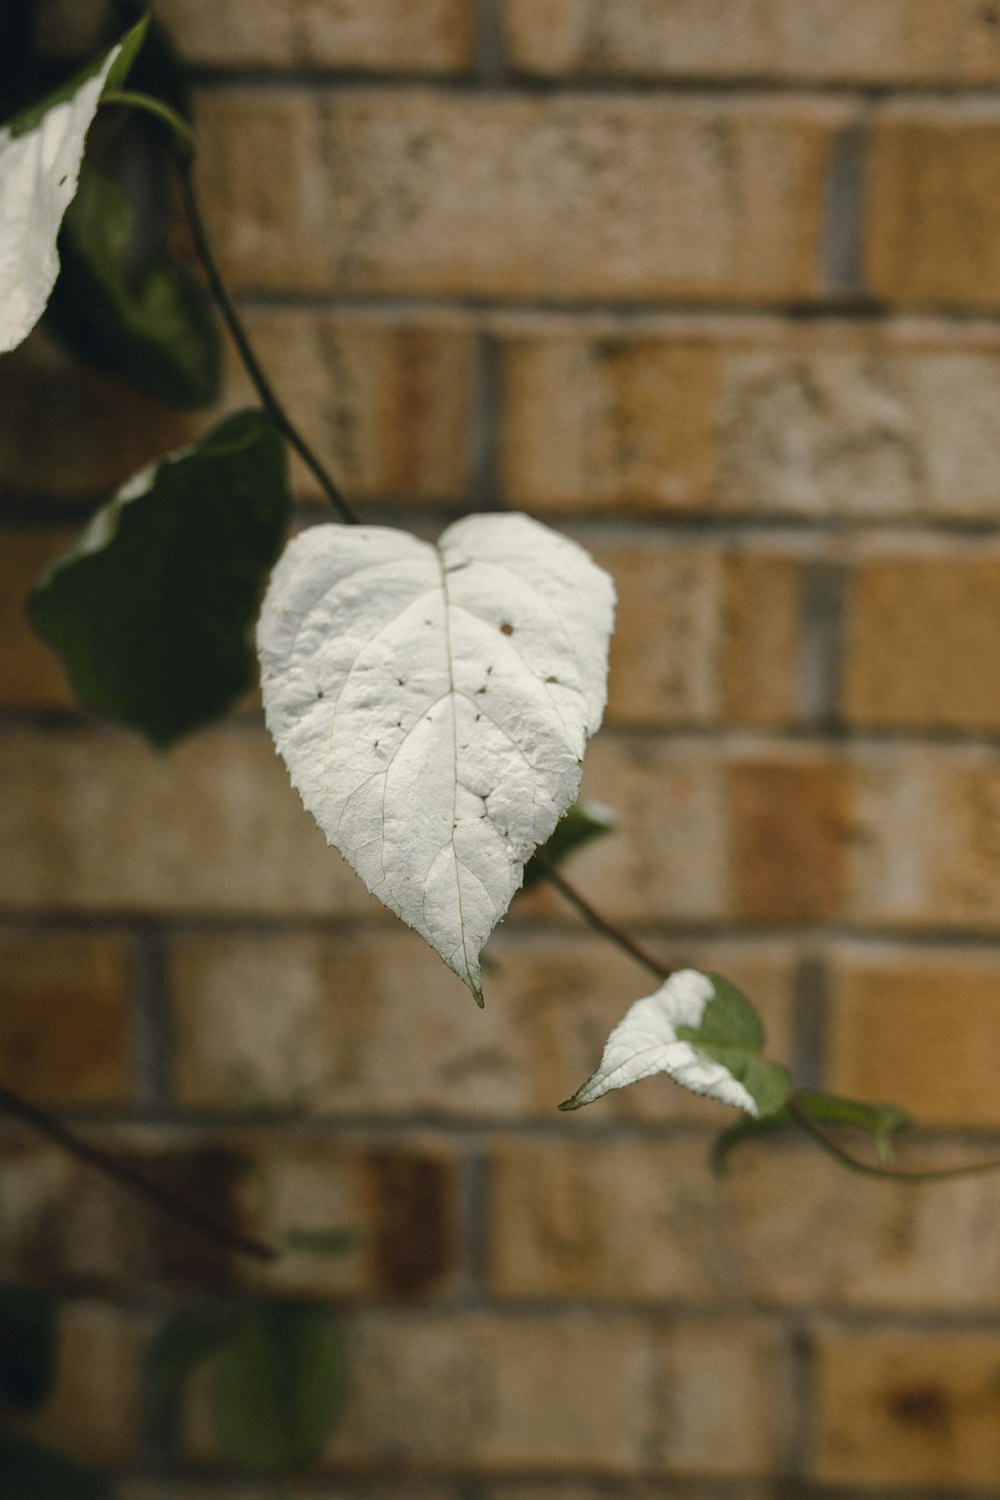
[731,1033]
[322,1241]
[185,1344]
[29,118]
[875,1119]
[151,610]
[133,311]
[745,1129]
[277,1389]
[582,823]
[29,1339]
[30,1472]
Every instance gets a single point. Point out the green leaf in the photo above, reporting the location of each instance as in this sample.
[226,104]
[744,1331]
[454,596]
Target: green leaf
[731,1033]
[277,1389]
[29,1340]
[879,1120]
[142,317]
[185,1344]
[30,1472]
[745,1129]
[150,611]
[584,821]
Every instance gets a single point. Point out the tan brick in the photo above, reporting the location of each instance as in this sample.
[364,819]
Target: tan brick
[635,199]
[898,1407]
[696,415]
[933,225]
[102,822]
[93,1413]
[361,1489]
[857,41]
[71,1227]
[30,674]
[575,1490]
[66,431]
[369,35]
[64,1022]
[789,828]
[761,643]
[633,1221]
[378,1027]
[921,644]
[921,1029]
[386,405]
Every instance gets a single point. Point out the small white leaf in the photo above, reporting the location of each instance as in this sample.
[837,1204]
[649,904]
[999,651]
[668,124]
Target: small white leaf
[432,704]
[645,1041]
[39,168]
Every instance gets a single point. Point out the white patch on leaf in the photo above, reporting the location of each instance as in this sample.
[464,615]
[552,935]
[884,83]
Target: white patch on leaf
[645,1042]
[432,704]
[39,170]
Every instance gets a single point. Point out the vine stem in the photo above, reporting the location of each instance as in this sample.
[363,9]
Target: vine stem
[137,1182]
[185,143]
[854,1163]
[600,924]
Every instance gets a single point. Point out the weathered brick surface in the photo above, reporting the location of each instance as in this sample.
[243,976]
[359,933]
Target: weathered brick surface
[95,1420]
[30,675]
[919,1028]
[378,1027]
[933,225]
[751,418]
[593,1393]
[65,1022]
[384,36]
[624,1222]
[899,1407]
[856,41]
[387,404]
[387,192]
[921,646]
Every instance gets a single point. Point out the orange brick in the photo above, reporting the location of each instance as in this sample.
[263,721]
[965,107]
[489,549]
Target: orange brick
[857,41]
[64,1023]
[933,227]
[921,1029]
[371,35]
[898,1407]
[102,822]
[707,415]
[637,199]
[376,1026]
[641,1221]
[93,1414]
[922,642]
[387,405]
[788,838]
[30,674]
[66,431]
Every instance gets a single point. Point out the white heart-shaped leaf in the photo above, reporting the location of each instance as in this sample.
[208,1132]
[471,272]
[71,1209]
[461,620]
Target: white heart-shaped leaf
[40,156]
[432,704]
[704,1034]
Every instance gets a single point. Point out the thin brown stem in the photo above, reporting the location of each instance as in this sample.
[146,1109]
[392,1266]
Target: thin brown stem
[600,924]
[275,410]
[136,1182]
[886,1170]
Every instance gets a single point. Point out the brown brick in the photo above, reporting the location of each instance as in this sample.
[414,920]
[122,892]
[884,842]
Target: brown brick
[378,1027]
[362,1489]
[922,642]
[789,825]
[30,674]
[632,1221]
[64,1022]
[386,405]
[921,1029]
[93,1414]
[369,35]
[636,199]
[898,1407]
[933,226]
[66,431]
[857,41]
[705,415]
[102,822]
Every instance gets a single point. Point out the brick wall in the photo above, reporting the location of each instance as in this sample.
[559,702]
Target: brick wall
[714,285]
